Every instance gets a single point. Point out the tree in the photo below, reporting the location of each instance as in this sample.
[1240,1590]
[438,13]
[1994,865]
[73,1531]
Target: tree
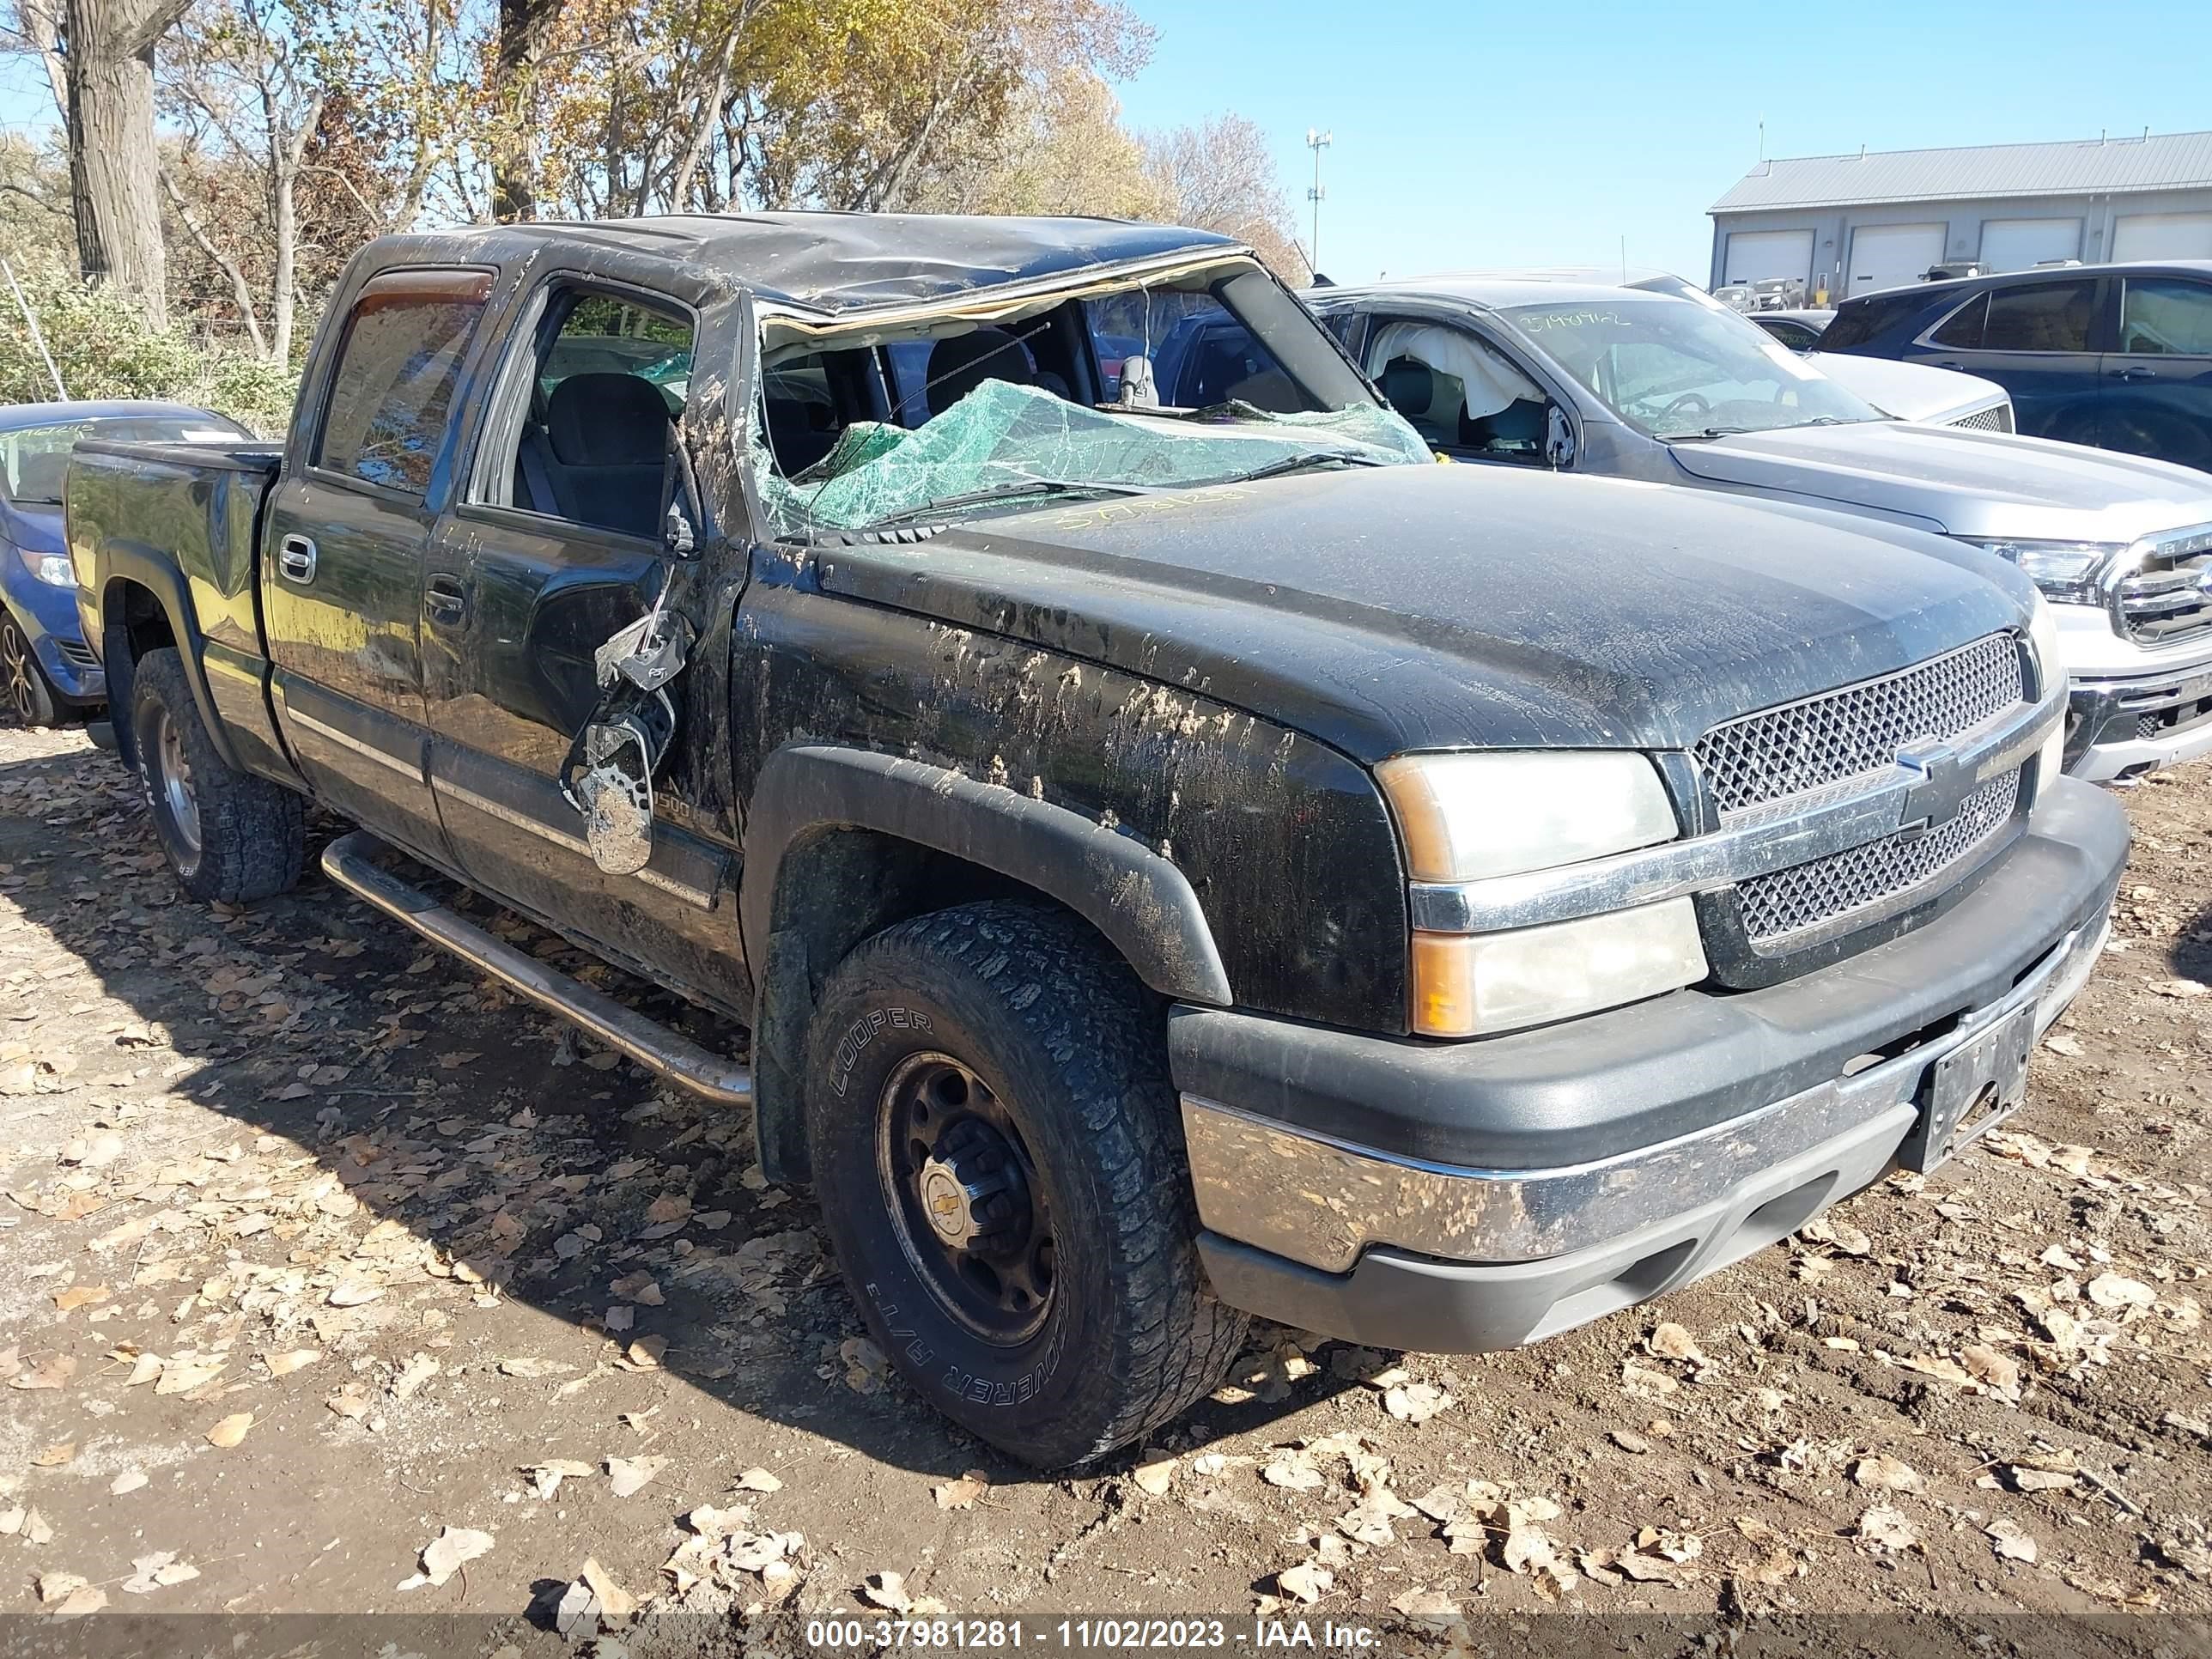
[244,88]
[99,60]
[1064,150]
[523,27]
[1221,177]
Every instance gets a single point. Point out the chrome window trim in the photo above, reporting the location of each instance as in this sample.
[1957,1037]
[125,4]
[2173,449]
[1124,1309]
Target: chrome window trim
[1753,842]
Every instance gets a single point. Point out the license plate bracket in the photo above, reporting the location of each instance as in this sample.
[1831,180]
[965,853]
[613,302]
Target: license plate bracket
[1970,1090]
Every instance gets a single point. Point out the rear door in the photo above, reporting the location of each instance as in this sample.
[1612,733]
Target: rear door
[343,543]
[2157,396]
[2036,339]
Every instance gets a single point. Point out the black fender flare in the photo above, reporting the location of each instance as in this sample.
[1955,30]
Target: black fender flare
[147,567]
[1142,904]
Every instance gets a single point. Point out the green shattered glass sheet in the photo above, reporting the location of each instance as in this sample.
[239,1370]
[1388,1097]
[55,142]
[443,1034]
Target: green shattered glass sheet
[1003,433]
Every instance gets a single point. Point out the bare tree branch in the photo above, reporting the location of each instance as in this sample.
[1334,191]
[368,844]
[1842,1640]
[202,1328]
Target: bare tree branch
[139,37]
[242,290]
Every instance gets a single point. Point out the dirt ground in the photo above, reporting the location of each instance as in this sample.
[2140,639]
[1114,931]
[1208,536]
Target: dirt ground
[317,1251]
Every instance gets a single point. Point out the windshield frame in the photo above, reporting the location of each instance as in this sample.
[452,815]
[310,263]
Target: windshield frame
[1837,404]
[1298,341]
[98,426]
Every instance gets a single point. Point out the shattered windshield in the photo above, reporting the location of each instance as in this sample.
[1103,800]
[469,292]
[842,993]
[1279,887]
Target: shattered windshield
[1676,369]
[870,428]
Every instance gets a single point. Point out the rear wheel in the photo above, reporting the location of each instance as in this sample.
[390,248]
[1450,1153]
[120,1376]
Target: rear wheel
[990,1122]
[230,837]
[24,692]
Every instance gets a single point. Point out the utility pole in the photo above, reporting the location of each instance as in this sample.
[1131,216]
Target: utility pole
[1317,140]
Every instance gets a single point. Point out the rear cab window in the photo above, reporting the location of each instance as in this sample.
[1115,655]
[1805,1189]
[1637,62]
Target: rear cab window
[399,365]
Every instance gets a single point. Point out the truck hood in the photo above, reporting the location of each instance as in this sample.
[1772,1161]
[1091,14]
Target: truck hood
[1425,607]
[1964,482]
[1911,392]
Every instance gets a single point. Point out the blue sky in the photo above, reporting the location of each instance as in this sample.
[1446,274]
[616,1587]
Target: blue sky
[1485,135]
[1491,135]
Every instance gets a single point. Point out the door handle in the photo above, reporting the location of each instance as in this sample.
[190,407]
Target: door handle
[296,560]
[442,598]
[1959,367]
[2135,372]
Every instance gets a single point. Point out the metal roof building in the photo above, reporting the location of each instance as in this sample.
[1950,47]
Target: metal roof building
[1850,224]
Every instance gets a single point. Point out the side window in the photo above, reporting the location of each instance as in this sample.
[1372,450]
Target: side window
[2040,317]
[392,389]
[2160,316]
[1962,330]
[587,438]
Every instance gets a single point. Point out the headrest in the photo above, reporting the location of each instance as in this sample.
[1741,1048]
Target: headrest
[607,420]
[959,365]
[1523,420]
[1408,386]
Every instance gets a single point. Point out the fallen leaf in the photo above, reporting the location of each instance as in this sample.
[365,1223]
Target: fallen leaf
[418,1370]
[36,1529]
[1306,1582]
[645,1354]
[52,1372]
[129,1481]
[2113,1291]
[2060,1043]
[1892,1474]
[443,1555]
[283,1364]
[2181,988]
[616,1605]
[1629,1441]
[758,1480]
[1294,1473]
[2010,1541]
[86,1598]
[887,1590]
[158,1572]
[1671,1341]
[1415,1402]
[962,1494]
[1427,1607]
[630,1473]
[2029,1479]
[80,1296]
[1887,1529]
[352,1292]
[231,1429]
[1838,1234]
[1154,1469]
[349,1404]
[638,1287]
[183,1376]
[1998,1372]
[1646,1383]
[56,1586]
[55,1457]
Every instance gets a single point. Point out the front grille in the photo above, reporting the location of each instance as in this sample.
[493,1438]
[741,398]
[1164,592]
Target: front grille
[1997,417]
[77,651]
[1859,729]
[2166,599]
[1859,884]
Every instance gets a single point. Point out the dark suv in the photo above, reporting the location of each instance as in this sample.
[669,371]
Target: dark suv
[2116,355]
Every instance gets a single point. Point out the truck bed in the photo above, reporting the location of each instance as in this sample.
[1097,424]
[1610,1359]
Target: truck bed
[140,511]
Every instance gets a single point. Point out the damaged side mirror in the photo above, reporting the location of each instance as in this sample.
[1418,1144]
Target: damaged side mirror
[608,773]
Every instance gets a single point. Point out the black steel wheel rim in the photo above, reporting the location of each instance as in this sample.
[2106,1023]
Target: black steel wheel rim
[972,1217]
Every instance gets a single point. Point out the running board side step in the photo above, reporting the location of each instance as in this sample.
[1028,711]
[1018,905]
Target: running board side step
[350,861]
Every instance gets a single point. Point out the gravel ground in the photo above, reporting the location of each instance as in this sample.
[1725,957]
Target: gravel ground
[333,1280]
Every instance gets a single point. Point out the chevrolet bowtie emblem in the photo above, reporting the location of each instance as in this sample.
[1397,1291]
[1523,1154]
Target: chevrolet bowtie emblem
[1940,784]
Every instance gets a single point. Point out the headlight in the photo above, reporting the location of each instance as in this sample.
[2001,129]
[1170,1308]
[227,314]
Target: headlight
[1499,813]
[1468,816]
[2064,570]
[1466,983]
[53,569]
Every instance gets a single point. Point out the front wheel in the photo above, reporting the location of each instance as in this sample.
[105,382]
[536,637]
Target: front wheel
[24,692]
[990,1121]
[230,835]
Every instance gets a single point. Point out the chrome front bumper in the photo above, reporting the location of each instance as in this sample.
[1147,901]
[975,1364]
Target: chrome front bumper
[2118,728]
[1321,1202]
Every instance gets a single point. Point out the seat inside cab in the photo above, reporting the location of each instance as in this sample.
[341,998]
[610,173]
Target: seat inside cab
[1458,392]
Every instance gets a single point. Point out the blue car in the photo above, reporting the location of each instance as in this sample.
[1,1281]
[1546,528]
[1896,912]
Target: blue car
[44,664]
[2117,355]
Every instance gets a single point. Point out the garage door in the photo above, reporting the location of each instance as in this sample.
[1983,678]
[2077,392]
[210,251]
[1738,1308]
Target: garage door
[1754,255]
[2162,236]
[1890,256]
[2024,244]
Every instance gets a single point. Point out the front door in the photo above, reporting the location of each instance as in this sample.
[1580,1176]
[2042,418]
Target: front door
[2157,389]
[554,544]
[343,547]
[2035,340]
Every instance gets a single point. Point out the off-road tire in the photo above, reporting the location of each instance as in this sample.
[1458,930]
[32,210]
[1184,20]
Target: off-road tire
[25,696]
[1074,1051]
[253,835]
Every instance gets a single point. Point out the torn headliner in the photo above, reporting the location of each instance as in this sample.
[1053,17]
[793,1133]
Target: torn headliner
[835,265]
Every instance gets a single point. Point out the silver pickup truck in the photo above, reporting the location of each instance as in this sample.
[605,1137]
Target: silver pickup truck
[1655,380]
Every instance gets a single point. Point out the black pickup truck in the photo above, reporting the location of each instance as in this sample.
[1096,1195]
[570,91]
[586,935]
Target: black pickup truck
[1172,863]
